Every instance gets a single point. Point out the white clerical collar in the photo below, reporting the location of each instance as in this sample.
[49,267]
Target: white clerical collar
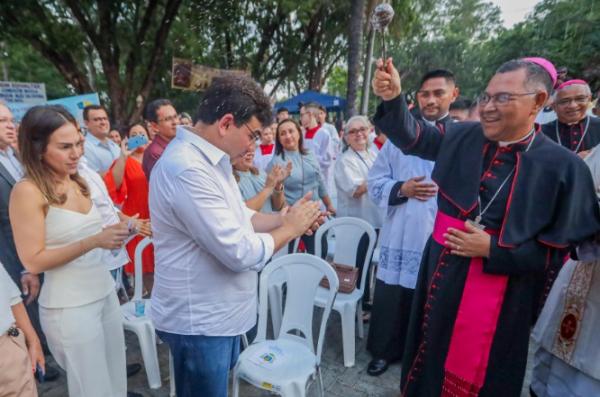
[574,123]
[434,122]
[503,143]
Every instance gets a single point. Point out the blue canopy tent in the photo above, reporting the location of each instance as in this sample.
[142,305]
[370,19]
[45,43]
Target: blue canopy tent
[331,102]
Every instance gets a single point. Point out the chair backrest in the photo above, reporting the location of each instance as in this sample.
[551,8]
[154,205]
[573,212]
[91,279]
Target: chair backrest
[138,286]
[280,278]
[302,273]
[348,233]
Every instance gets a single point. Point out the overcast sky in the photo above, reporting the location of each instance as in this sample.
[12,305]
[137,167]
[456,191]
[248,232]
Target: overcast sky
[514,11]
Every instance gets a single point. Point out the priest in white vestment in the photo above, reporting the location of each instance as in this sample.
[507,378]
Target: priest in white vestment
[401,186]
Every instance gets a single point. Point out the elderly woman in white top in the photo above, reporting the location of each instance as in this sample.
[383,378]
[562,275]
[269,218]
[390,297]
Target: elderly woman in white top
[351,171]
[262,192]
[350,174]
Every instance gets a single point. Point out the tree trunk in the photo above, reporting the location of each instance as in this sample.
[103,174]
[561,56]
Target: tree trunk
[355,35]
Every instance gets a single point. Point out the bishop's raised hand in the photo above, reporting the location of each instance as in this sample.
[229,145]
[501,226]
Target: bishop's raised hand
[386,82]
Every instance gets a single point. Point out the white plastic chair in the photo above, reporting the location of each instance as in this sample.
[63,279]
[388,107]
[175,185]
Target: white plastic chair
[276,289]
[348,233]
[289,364]
[142,326]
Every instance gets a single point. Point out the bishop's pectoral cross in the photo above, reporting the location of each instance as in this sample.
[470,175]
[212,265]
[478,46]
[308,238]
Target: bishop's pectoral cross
[476,222]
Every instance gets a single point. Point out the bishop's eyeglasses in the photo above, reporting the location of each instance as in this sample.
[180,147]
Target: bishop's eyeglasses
[501,98]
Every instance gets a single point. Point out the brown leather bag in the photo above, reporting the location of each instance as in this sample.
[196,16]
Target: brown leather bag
[347,275]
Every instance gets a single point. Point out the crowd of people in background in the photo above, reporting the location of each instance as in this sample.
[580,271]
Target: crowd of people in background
[220,192]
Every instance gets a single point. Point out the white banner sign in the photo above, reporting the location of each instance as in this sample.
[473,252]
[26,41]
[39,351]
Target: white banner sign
[26,93]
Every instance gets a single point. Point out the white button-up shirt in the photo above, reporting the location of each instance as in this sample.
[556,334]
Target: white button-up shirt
[99,155]
[207,253]
[9,296]
[108,212]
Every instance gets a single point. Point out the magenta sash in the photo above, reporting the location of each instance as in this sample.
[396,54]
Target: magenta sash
[476,321]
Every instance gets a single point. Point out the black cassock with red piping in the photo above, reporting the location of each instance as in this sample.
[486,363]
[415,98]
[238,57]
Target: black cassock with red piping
[470,320]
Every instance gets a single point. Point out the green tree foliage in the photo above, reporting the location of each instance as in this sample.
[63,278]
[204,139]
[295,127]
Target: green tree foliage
[566,32]
[450,36]
[277,41]
[114,47]
[23,64]
[123,48]
[466,37]
[337,81]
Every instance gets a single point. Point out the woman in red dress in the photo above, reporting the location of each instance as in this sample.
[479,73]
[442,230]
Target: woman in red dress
[128,187]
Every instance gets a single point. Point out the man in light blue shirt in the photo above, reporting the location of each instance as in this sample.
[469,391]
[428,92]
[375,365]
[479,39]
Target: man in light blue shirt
[100,151]
[208,245]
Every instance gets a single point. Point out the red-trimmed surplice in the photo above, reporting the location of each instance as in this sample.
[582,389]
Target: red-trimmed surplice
[471,317]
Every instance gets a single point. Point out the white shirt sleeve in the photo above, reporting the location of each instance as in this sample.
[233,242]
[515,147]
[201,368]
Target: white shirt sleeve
[207,216]
[7,284]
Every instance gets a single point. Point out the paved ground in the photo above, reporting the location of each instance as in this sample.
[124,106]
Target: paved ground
[338,380]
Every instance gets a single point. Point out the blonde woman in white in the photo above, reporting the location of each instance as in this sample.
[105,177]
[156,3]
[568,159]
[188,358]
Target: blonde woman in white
[58,231]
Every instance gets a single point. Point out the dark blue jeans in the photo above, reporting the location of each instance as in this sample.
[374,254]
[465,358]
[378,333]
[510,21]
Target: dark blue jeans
[202,363]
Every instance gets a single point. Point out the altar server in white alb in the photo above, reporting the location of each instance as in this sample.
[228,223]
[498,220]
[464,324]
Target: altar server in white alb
[401,186]
[266,148]
[316,138]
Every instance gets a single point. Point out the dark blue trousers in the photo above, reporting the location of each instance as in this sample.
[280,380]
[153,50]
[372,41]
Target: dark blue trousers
[202,363]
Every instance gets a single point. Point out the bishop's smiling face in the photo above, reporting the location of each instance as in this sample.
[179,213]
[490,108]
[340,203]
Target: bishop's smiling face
[571,103]
[509,120]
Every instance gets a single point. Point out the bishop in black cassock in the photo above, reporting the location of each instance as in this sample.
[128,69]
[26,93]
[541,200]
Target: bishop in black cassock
[478,290]
[400,256]
[574,128]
